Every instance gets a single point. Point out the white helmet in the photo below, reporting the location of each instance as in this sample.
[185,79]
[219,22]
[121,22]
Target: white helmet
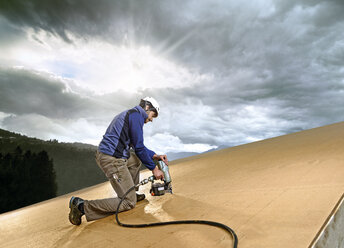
[154,103]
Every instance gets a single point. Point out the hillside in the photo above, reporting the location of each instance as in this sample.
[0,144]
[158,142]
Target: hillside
[274,193]
[74,163]
[181,155]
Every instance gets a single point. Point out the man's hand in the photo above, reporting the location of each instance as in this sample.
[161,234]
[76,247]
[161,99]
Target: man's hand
[158,173]
[161,157]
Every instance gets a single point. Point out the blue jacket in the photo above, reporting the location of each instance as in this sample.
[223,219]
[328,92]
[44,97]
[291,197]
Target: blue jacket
[125,131]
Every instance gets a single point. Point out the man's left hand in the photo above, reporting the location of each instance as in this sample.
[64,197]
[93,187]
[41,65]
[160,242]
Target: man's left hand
[161,157]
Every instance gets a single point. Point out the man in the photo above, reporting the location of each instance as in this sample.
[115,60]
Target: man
[120,164]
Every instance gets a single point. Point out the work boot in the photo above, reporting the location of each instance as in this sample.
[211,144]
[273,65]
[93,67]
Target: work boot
[76,206]
[140,197]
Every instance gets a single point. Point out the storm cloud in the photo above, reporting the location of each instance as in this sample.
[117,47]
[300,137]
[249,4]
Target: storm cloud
[244,72]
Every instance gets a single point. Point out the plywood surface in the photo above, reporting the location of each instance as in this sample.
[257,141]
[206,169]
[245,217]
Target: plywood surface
[273,193]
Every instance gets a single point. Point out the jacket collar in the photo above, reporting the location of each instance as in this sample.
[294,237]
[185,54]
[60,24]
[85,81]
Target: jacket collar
[142,112]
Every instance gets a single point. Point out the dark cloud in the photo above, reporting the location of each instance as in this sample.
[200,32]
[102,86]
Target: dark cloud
[198,114]
[273,68]
[217,36]
[41,105]
[116,19]
[55,17]
[11,33]
[322,13]
[29,92]
[219,112]
[24,92]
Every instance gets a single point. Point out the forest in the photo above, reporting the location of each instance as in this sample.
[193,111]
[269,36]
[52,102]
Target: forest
[25,178]
[74,163]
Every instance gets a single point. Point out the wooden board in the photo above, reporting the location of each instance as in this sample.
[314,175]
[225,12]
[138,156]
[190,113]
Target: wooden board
[273,193]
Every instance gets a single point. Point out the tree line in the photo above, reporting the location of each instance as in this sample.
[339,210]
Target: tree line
[74,163]
[25,178]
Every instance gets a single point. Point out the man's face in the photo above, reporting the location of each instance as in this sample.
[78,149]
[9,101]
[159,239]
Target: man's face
[151,115]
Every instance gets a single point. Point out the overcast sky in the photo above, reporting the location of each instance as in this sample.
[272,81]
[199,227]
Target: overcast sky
[224,72]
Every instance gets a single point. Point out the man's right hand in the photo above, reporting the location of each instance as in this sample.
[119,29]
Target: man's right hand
[158,173]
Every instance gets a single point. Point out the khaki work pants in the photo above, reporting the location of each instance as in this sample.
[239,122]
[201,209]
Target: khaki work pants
[122,174]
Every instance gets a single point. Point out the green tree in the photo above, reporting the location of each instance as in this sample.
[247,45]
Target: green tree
[25,179]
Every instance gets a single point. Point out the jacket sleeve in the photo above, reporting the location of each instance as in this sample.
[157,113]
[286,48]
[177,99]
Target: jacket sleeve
[150,152]
[136,139]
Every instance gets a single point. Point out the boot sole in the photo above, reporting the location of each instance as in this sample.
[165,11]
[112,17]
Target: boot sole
[74,211]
